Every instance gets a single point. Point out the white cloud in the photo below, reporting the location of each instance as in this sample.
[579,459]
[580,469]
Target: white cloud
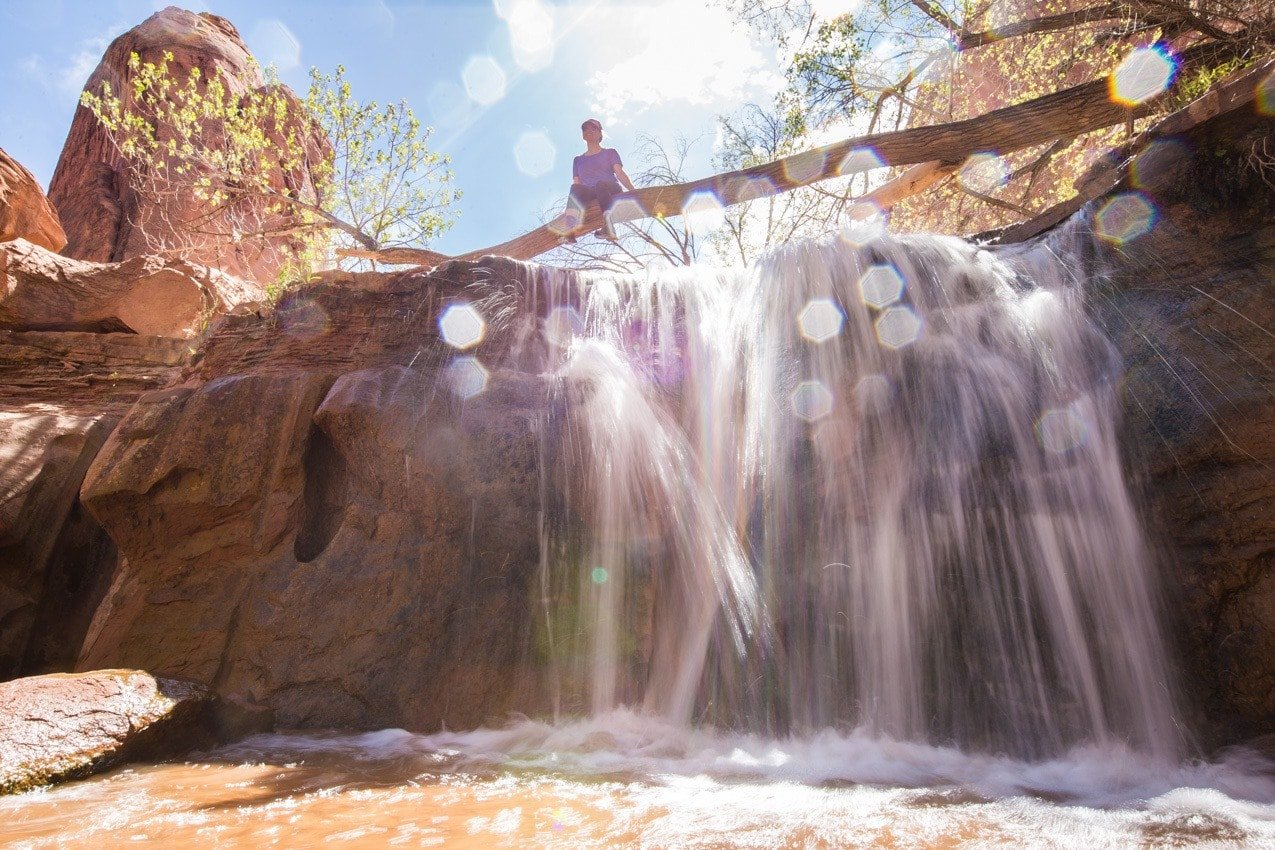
[274,44]
[697,55]
[76,74]
[69,74]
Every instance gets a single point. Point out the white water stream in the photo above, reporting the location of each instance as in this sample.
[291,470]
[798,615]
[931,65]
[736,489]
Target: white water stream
[872,483]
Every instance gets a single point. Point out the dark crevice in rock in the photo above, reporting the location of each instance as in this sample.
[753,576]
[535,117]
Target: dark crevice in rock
[327,486]
[77,578]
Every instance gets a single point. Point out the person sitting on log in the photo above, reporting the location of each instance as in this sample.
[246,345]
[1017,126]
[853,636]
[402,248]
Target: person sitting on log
[593,178]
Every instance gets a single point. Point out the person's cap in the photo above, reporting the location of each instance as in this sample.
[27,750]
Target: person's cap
[592,122]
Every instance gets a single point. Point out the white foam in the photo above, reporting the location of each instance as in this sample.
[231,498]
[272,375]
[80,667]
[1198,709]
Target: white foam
[633,746]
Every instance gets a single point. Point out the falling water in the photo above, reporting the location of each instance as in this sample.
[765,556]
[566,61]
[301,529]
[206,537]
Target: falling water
[873,482]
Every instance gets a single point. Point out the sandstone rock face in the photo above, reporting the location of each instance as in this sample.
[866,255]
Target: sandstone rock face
[62,726]
[1192,310]
[106,221]
[24,211]
[326,529]
[46,545]
[40,290]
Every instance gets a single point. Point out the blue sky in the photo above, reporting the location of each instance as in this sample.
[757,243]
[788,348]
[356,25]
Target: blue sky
[663,67]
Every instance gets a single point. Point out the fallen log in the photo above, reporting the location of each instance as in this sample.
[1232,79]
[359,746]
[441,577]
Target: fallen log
[1071,112]
[1238,91]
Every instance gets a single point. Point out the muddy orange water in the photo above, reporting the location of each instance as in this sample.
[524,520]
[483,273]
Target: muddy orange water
[624,781]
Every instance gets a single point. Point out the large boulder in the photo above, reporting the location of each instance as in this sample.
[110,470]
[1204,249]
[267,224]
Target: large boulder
[104,218]
[40,290]
[64,726]
[351,547]
[25,213]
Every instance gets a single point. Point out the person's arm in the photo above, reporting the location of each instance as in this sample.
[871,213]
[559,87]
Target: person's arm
[623,178]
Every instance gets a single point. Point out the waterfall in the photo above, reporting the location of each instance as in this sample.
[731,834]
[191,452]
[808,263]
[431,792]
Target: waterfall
[872,482]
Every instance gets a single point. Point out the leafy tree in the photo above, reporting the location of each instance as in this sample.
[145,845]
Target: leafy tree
[890,64]
[214,165]
[386,181]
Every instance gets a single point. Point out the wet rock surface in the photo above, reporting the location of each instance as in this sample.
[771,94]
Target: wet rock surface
[1191,306]
[64,726]
[49,550]
[1200,401]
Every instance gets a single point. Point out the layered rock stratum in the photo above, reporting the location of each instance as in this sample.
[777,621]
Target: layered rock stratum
[40,290]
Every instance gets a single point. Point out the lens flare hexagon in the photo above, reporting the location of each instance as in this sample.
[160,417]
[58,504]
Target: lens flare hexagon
[534,153]
[752,188]
[303,320]
[1061,430]
[467,377]
[984,172]
[570,218]
[804,167]
[811,401]
[462,326]
[874,393]
[880,286]
[860,159]
[626,209]
[864,212]
[530,34]
[866,223]
[562,325]
[1159,157]
[1266,95]
[1124,218]
[820,320]
[484,80]
[1144,73]
[704,213]
[898,327]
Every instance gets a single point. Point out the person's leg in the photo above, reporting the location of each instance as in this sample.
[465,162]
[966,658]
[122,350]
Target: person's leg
[578,198]
[605,193]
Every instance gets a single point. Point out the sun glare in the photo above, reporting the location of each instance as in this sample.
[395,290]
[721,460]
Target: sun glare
[1145,73]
